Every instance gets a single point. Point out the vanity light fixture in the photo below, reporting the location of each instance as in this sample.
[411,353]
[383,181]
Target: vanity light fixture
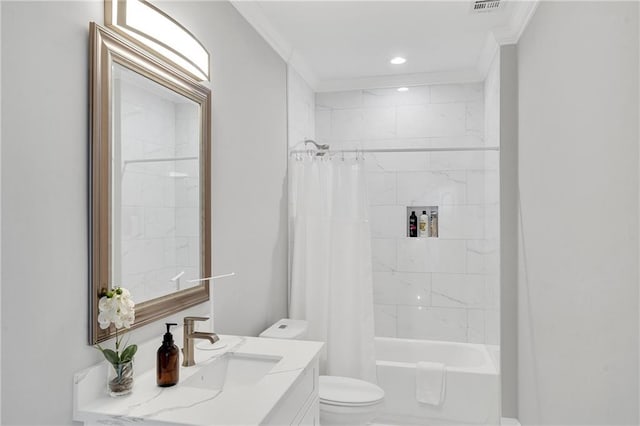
[398,60]
[146,25]
[403,89]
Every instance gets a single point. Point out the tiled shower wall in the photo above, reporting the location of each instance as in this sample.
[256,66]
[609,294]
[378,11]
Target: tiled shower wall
[300,110]
[444,288]
[159,201]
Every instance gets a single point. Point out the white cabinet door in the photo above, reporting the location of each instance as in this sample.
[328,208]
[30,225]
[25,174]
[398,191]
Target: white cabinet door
[312,416]
[298,400]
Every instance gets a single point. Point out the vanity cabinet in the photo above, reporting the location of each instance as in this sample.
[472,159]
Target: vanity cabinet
[300,404]
[284,394]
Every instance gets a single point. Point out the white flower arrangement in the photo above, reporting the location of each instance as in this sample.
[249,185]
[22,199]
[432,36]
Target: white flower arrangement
[116,307]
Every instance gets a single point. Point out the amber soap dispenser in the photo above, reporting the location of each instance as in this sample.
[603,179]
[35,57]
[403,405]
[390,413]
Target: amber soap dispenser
[168,368]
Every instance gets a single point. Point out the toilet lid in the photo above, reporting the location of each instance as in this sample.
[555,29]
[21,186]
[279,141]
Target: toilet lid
[336,390]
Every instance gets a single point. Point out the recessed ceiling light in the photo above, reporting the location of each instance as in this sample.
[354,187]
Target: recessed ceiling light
[398,60]
[403,89]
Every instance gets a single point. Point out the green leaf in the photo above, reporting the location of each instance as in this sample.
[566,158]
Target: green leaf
[128,353]
[110,356]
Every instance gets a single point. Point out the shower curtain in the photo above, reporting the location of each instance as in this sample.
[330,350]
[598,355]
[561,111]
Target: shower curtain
[331,278]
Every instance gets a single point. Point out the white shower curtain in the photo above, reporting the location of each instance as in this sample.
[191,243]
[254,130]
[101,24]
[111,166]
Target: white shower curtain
[331,278]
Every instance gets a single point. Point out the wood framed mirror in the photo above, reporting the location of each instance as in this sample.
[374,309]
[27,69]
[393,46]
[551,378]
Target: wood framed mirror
[150,190]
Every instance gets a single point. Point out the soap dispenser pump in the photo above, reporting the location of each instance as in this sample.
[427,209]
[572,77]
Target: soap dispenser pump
[168,367]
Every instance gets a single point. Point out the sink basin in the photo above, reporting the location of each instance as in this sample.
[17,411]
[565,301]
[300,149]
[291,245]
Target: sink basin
[232,370]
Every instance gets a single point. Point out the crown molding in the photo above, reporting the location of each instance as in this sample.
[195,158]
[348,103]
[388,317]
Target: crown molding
[509,34]
[523,12]
[525,17]
[397,80]
[297,62]
[485,59]
[253,14]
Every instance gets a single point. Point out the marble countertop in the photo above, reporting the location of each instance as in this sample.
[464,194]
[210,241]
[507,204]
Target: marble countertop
[185,405]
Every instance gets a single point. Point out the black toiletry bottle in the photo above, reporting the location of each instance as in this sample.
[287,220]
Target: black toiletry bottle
[168,368]
[413,225]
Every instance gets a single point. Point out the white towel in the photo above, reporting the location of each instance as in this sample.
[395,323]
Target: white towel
[430,382]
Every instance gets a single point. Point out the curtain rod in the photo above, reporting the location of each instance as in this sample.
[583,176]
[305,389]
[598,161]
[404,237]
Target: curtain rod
[452,149]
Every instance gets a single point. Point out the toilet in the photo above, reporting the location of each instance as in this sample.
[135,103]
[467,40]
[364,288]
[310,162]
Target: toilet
[343,400]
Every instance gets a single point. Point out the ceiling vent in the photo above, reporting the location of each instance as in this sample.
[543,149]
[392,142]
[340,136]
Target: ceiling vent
[485,5]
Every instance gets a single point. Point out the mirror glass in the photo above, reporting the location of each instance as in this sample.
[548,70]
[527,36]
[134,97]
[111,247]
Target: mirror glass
[155,183]
[150,170]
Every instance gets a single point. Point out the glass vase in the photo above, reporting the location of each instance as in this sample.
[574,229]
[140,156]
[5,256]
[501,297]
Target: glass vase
[120,378]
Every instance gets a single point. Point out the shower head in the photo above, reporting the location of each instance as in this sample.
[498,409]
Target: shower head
[322,147]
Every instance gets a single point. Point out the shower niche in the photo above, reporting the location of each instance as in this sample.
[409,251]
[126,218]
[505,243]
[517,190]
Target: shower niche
[422,221]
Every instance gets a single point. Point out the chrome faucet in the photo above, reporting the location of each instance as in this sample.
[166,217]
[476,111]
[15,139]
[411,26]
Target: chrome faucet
[189,335]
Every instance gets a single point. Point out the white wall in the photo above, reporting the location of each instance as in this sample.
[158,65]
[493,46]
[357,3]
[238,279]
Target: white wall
[45,182]
[443,288]
[578,235]
[249,167]
[492,102]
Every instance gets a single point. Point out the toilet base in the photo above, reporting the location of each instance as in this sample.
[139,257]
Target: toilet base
[335,415]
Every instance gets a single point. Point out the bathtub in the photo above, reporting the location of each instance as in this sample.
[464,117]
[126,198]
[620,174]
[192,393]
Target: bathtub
[472,382]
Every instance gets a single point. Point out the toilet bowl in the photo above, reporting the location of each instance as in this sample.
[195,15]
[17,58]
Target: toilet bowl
[348,401]
[343,400]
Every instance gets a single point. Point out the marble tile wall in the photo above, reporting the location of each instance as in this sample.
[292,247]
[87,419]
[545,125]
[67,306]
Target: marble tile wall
[492,200]
[301,107]
[300,126]
[158,224]
[442,288]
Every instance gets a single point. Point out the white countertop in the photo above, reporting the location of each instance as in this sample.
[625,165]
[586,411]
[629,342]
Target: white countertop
[184,405]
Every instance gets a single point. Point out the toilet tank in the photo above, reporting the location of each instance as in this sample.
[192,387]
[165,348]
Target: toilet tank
[286,329]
